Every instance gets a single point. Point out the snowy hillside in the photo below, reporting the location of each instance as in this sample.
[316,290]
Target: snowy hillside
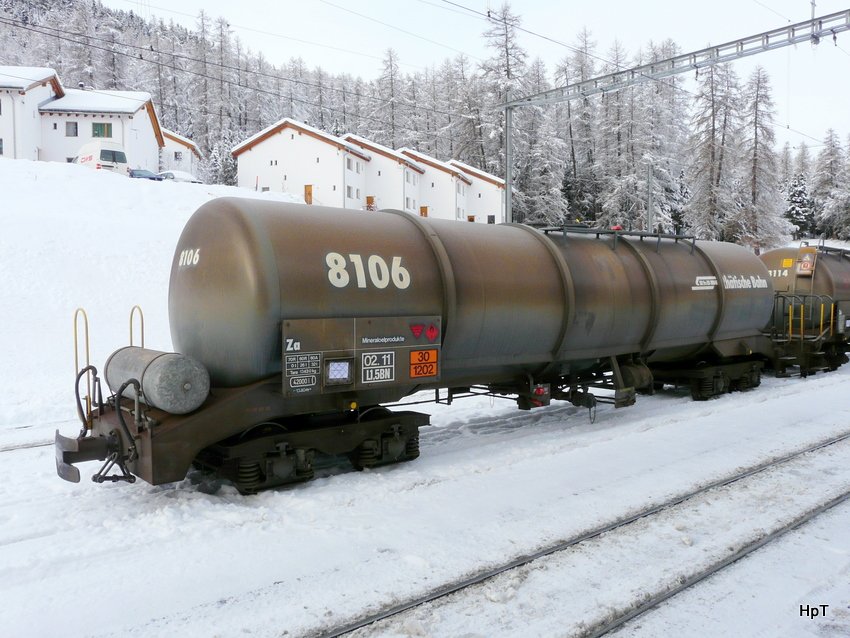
[492,484]
[72,237]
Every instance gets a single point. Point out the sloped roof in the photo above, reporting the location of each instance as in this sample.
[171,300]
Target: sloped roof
[106,102]
[96,101]
[184,141]
[24,78]
[476,172]
[285,123]
[383,150]
[435,163]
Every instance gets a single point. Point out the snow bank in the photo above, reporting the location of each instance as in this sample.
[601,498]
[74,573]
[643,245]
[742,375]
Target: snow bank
[73,237]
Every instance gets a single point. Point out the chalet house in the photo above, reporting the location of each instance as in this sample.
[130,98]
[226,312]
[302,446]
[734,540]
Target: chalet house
[80,116]
[179,153]
[485,200]
[392,178]
[22,91]
[444,188]
[42,120]
[295,158]
[354,172]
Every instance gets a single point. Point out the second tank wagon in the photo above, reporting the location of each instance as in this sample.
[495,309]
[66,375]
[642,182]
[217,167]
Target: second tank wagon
[810,324]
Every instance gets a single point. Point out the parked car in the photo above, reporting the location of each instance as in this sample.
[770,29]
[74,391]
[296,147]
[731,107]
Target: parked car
[103,155]
[180,176]
[143,174]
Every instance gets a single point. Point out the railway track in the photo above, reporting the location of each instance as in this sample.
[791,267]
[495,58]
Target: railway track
[659,597]
[34,430]
[617,619]
[24,446]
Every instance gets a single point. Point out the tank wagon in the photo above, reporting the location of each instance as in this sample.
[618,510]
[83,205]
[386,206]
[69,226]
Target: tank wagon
[810,325]
[295,325]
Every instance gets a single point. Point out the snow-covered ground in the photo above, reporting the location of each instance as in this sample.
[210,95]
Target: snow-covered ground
[73,237]
[492,482]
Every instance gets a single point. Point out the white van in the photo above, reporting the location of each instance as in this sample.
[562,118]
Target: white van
[103,155]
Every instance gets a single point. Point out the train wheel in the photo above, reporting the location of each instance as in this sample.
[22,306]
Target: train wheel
[702,389]
[304,469]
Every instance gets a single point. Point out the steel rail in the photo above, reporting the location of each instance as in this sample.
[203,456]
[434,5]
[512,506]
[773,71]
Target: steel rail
[488,574]
[24,446]
[697,578]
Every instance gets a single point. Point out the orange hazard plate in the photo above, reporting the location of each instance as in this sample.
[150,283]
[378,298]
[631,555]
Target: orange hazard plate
[423,363]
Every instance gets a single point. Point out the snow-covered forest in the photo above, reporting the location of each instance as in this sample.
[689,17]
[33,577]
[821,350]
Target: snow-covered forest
[705,157]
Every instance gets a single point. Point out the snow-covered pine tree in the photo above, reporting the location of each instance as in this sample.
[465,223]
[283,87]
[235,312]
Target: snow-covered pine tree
[677,216]
[761,224]
[293,89]
[542,166]
[220,166]
[786,166]
[711,212]
[78,59]
[224,92]
[318,94]
[614,157]
[800,208]
[386,119]
[426,94]
[662,130]
[444,109]
[468,129]
[803,161]
[576,128]
[831,189]
[113,56]
[502,75]
[240,94]
[200,83]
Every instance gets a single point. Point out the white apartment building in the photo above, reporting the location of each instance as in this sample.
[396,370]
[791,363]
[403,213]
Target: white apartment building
[42,120]
[22,91]
[444,188]
[354,172]
[485,200]
[295,158]
[392,179]
[179,153]
[81,116]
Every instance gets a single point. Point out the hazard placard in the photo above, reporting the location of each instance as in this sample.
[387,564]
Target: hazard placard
[423,363]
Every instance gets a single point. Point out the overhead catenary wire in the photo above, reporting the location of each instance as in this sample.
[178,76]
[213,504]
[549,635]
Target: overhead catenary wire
[618,67]
[228,67]
[345,92]
[488,17]
[329,109]
[271,34]
[772,10]
[410,33]
[244,116]
[68,35]
[534,100]
[402,105]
